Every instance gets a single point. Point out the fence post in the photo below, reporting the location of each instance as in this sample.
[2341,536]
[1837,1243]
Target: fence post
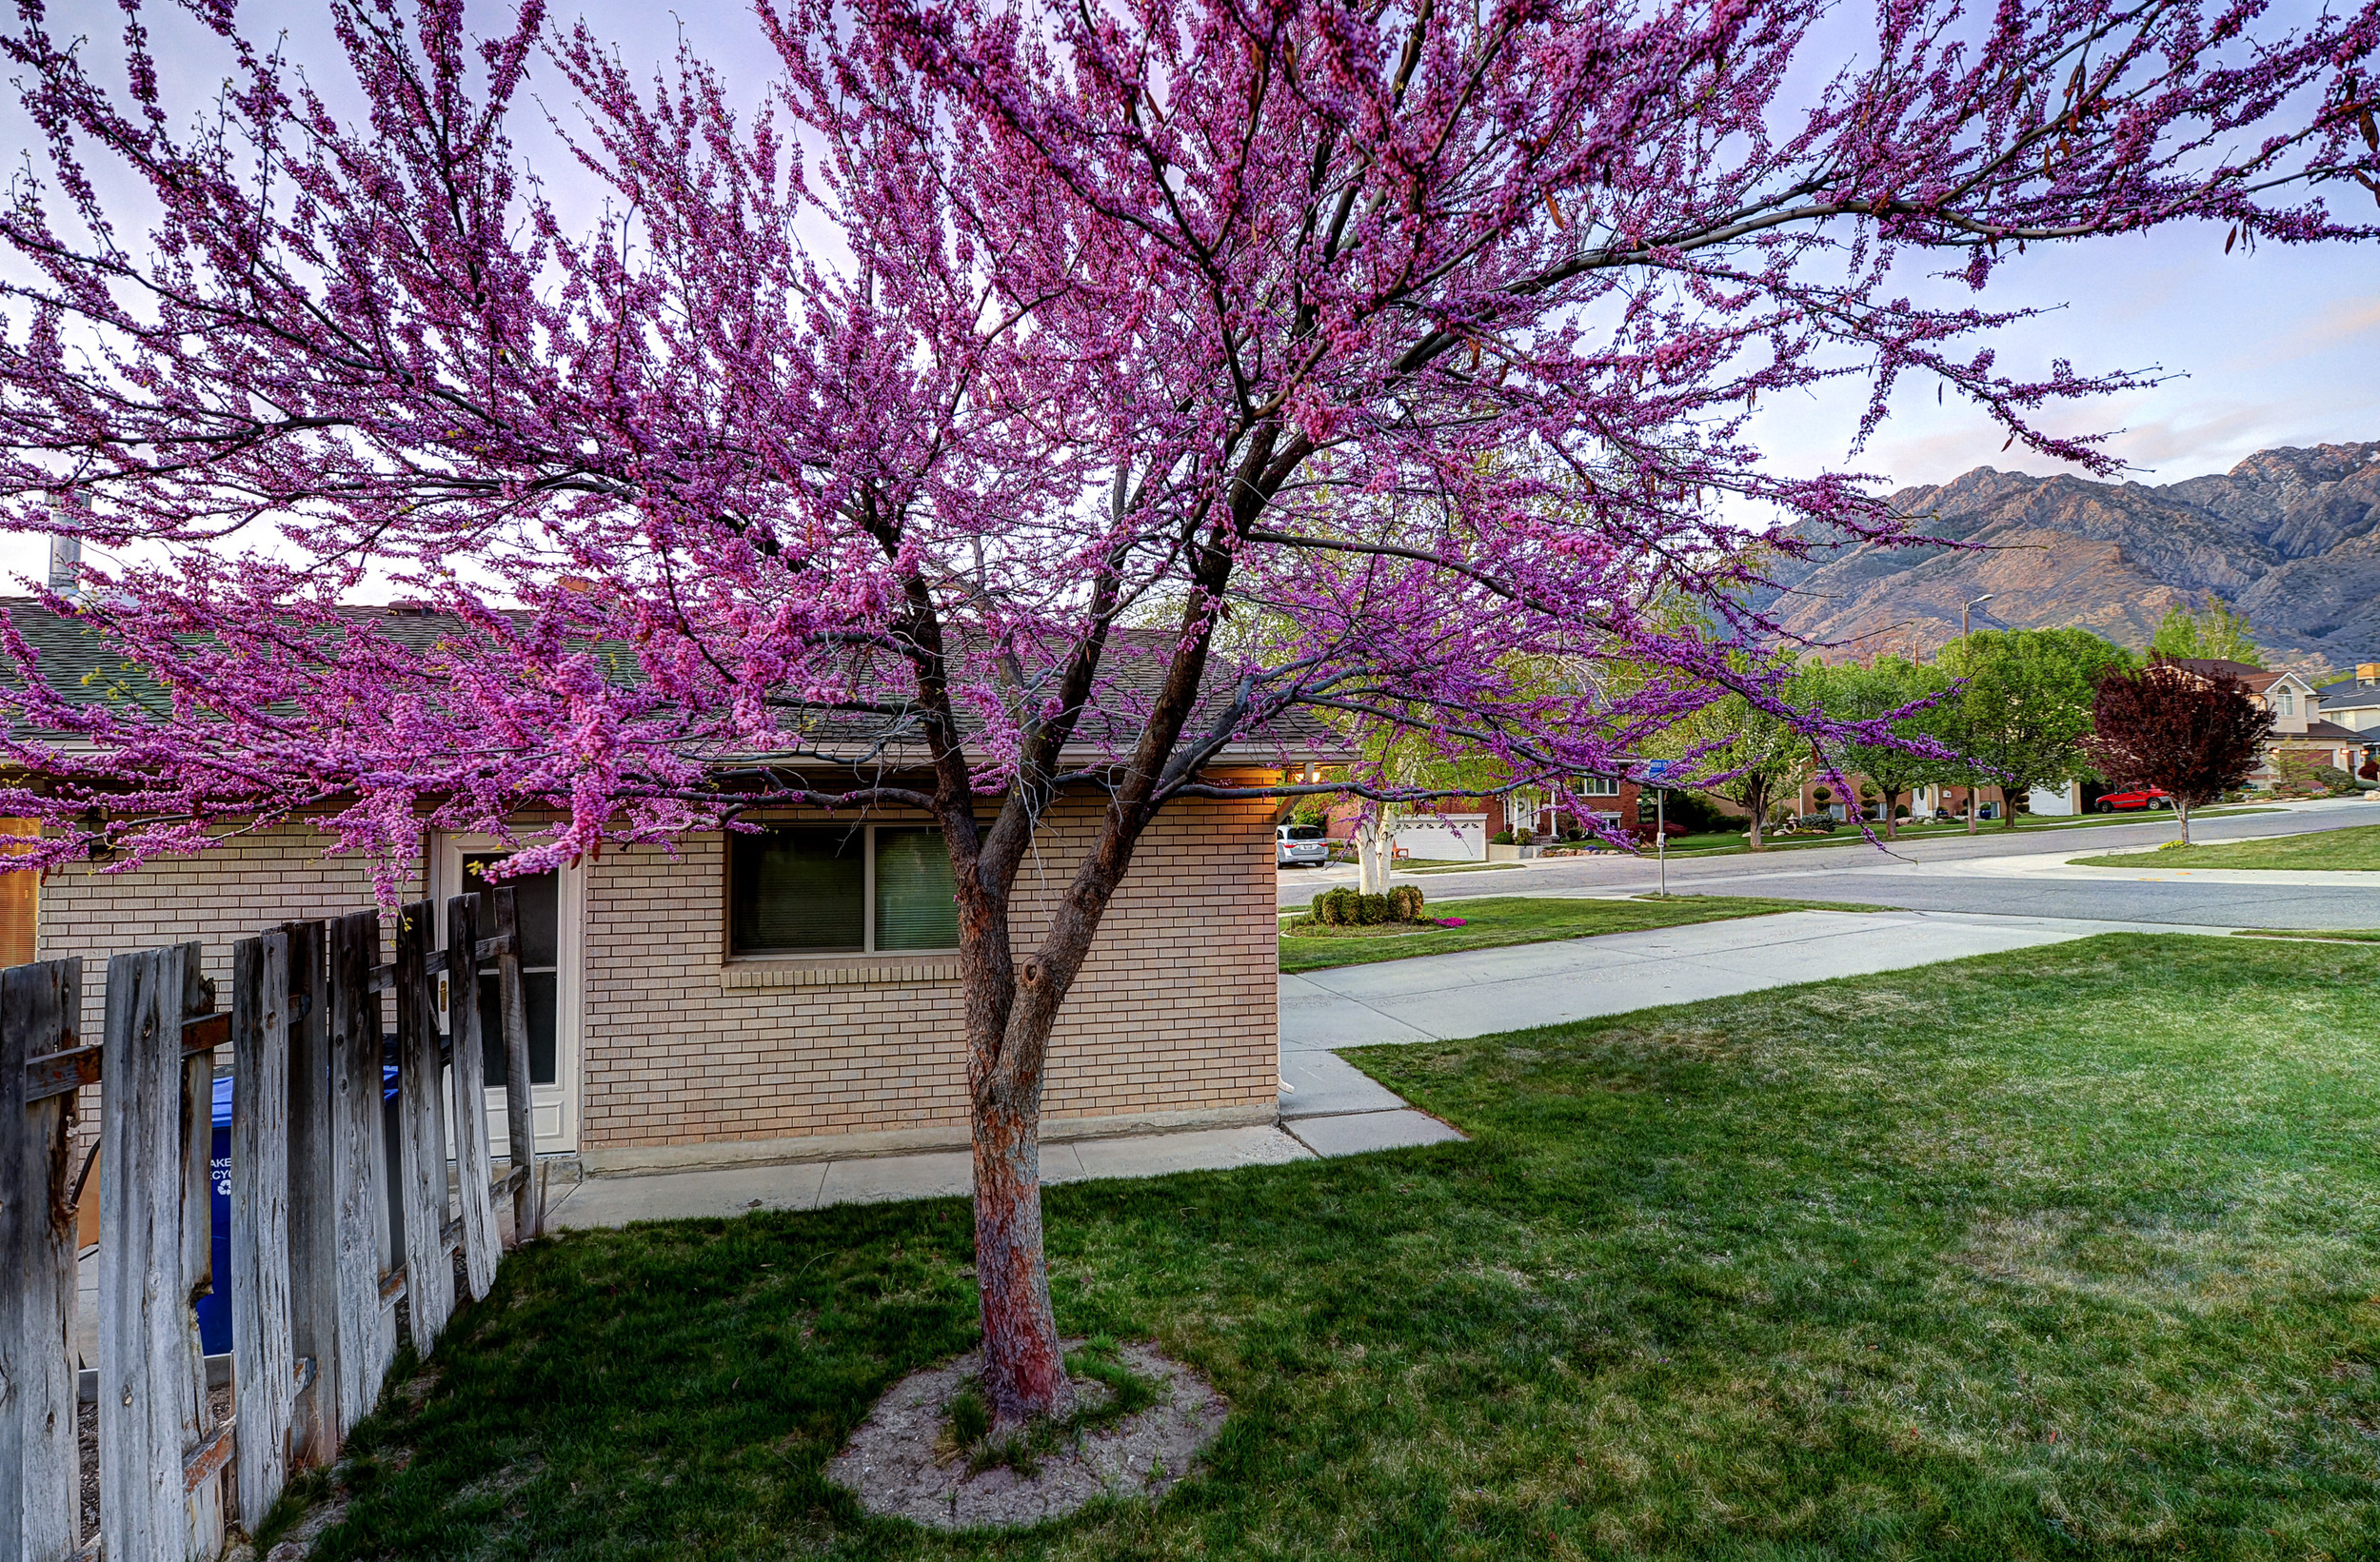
[264,1368]
[481,1244]
[152,1378]
[313,1202]
[422,1147]
[40,1479]
[366,1336]
[528,1211]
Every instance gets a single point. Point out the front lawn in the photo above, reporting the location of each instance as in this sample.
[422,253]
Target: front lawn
[1518,919]
[2352,850]
[2067,1252]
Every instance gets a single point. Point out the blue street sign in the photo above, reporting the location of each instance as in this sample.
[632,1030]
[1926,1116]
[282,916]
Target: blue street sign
[1656,769]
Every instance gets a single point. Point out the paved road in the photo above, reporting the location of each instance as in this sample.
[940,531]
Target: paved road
[1994,872]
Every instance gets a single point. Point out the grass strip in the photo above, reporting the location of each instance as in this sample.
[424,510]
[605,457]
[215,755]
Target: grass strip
[1733,843]
[2063,1253]
[1491,923]
[2355,849]
[2337,935]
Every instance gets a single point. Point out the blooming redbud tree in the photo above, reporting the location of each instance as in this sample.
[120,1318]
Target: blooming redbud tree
[1017,401]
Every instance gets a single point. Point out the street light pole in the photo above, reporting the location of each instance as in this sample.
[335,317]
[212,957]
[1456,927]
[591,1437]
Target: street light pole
[1964,608]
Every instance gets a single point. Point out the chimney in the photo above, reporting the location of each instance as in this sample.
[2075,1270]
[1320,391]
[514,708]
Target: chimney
[66,553]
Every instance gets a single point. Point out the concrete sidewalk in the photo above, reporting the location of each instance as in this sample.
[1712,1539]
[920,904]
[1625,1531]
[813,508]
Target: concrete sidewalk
[809,1185]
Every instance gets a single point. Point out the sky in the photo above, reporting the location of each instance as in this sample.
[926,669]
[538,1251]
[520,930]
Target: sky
[2273,347]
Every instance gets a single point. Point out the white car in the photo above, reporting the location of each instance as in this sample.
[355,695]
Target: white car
[1299,846]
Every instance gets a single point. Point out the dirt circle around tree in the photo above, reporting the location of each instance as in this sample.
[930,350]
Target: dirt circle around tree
[900,1462]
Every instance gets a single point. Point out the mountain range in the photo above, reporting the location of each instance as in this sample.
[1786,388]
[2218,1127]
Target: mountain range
[2290,538]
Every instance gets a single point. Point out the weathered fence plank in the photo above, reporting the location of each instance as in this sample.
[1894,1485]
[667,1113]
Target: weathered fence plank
[313,1203]
[150,1374]
[482,1244]
[40,1483]
[201,1447]
[262,1366]
[421,1136]
[520,1113]
[365,1334]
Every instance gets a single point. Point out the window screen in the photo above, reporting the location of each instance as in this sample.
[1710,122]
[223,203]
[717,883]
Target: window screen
[915,903]
[797,890]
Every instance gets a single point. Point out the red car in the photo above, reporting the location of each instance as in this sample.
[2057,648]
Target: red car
[2139,797]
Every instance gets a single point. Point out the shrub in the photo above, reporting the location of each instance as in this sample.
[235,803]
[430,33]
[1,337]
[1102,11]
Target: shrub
[1404,904]
[1501,838]
[1523,836]
[1696,812]
[1337,907]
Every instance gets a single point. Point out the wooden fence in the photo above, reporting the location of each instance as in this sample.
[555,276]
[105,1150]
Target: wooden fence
[316,1270]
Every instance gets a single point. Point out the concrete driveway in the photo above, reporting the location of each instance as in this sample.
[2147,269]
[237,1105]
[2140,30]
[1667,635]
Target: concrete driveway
[1434,997]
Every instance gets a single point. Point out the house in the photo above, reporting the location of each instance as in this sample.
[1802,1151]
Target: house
[1459,828]
[2300,728]
[786,996]
[2354,704]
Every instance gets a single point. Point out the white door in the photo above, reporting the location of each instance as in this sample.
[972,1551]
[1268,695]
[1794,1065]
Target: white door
[550,905]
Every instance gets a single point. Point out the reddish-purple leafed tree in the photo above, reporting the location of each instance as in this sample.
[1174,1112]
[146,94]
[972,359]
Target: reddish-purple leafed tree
[1018,400]
[2194,733]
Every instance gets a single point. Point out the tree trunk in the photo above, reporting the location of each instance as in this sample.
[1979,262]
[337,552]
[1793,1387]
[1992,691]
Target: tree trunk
[1024,1373]
[1375,848]
[1971,810]
[1891,801]
[2008,809]
[2181,812]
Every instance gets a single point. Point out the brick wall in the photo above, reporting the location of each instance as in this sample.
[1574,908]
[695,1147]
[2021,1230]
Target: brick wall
[1173,1021]
[233,891]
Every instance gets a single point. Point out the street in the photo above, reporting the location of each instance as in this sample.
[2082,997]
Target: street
[1994,872]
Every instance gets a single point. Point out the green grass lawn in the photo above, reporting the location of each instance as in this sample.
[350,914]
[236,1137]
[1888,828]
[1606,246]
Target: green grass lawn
[1518,919]
[2060,1253]
[2339,934]
[2352,850]
[1848,836]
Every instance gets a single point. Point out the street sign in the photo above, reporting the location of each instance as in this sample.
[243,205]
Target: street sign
[1656,769]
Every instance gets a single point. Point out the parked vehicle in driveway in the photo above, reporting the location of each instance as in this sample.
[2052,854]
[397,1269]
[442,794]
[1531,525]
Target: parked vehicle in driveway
[2139,797]
[1299,846]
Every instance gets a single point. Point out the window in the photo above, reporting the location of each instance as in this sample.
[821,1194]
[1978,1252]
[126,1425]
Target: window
[537,901]
[2288,702]
[1598,786]
[846,889]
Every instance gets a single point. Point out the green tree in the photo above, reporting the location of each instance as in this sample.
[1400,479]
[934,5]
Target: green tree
[1767,758]
[2025,711]
[2215,632]
[1865,693]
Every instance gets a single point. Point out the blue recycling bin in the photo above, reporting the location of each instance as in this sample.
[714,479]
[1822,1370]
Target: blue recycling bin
[214,1309]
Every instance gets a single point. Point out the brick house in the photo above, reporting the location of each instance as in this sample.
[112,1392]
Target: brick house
[787,996]
[1461,826]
